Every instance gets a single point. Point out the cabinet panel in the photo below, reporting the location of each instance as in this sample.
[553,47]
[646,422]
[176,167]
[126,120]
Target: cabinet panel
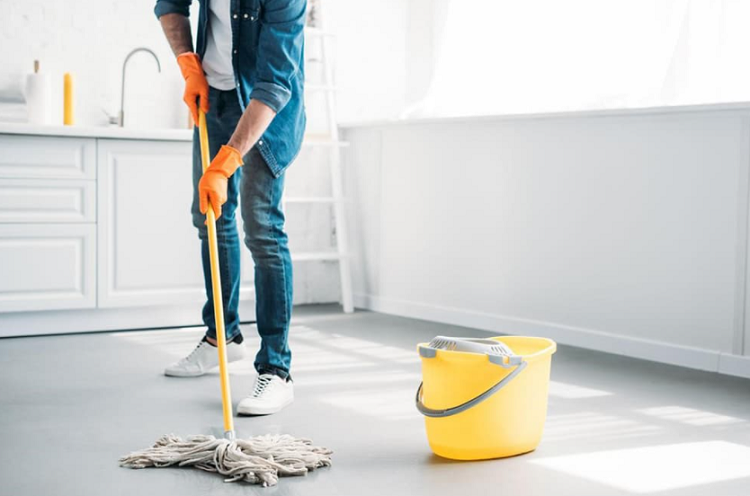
[149,252]
[47,267]
[36,200]
[47,157]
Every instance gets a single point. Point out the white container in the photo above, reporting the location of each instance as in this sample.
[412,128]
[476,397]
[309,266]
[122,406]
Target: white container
[38,97]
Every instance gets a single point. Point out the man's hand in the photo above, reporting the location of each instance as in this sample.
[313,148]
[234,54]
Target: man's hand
[196,86]
[213,185]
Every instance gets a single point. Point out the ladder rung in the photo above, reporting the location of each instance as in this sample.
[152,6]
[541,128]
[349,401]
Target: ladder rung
[309,199]
[338,254]
[317,32]
[316,256]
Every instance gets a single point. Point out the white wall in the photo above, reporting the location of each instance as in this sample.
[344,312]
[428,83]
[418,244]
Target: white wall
[621,232]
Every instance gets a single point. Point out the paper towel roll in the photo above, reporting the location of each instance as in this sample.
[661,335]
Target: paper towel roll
[38,96]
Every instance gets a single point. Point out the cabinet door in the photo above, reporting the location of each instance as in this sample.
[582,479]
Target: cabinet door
[47,267]
[149,251]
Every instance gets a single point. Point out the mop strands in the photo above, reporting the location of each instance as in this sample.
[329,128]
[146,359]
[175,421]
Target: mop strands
[257,460]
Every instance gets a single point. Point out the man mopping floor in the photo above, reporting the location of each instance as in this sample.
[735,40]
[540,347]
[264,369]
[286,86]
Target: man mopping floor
[247,74]
[250,102]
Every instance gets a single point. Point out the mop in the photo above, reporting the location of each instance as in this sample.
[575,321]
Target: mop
[257,460]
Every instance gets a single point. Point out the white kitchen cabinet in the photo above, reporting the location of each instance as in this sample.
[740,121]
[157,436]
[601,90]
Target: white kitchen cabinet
[42,200]
[96,232]
[149,251]
[148,248]
[47,267]
[47,157]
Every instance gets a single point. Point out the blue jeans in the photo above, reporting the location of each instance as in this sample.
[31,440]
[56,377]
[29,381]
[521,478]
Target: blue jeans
[263,221]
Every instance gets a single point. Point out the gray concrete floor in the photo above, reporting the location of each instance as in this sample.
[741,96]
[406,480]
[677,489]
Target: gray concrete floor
[71,405]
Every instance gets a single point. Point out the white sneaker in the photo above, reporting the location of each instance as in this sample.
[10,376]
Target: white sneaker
[202,359]
[270,394]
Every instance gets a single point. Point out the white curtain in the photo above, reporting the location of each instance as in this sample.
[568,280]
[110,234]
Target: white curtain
[525,56]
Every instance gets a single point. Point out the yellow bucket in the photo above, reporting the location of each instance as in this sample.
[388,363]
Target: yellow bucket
[480,406]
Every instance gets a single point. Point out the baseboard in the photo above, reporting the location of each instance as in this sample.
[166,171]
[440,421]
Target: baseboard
[657,351]
[734,365]
[15,324]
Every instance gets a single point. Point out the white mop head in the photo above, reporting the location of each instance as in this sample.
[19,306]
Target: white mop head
[257,460]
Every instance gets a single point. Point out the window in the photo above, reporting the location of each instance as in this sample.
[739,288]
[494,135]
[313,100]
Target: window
[511,56]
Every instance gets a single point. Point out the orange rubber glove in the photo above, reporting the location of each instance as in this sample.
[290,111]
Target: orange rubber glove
[195,83]
[213,185]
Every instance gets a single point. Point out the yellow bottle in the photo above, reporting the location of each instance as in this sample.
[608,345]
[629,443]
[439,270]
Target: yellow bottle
[68,118]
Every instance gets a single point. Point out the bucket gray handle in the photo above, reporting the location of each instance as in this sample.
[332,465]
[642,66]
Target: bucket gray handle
[513,361]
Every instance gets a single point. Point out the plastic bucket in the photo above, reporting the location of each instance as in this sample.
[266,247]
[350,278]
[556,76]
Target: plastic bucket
[479,406]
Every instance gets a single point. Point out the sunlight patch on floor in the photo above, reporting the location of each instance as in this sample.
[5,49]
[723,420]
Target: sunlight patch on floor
[313,350]
[158,336]
[176,343]
[372,349]
[386,404]
[322,360]
[657,468]
[573,392]
[592,425]
[690,416]
[357,378]
[355,345]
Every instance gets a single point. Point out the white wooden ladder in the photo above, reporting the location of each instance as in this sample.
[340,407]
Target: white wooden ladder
[333,145]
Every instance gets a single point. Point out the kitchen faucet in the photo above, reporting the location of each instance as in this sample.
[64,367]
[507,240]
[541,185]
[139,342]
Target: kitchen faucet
[121,119]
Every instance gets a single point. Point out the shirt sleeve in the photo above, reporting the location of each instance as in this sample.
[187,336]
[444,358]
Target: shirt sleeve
[282,34]
[172,7]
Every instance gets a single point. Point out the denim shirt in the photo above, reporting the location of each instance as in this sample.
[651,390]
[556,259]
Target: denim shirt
[268,58]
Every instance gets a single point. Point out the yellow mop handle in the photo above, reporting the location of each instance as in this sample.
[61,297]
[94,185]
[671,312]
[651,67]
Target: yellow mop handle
[213,250]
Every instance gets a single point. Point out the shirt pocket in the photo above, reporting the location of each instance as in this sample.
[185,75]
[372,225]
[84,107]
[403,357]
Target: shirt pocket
[251,13]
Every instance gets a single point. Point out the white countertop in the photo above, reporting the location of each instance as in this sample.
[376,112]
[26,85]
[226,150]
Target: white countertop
[111,132]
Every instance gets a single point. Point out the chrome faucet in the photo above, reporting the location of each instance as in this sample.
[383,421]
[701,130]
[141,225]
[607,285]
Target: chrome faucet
[121,116]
